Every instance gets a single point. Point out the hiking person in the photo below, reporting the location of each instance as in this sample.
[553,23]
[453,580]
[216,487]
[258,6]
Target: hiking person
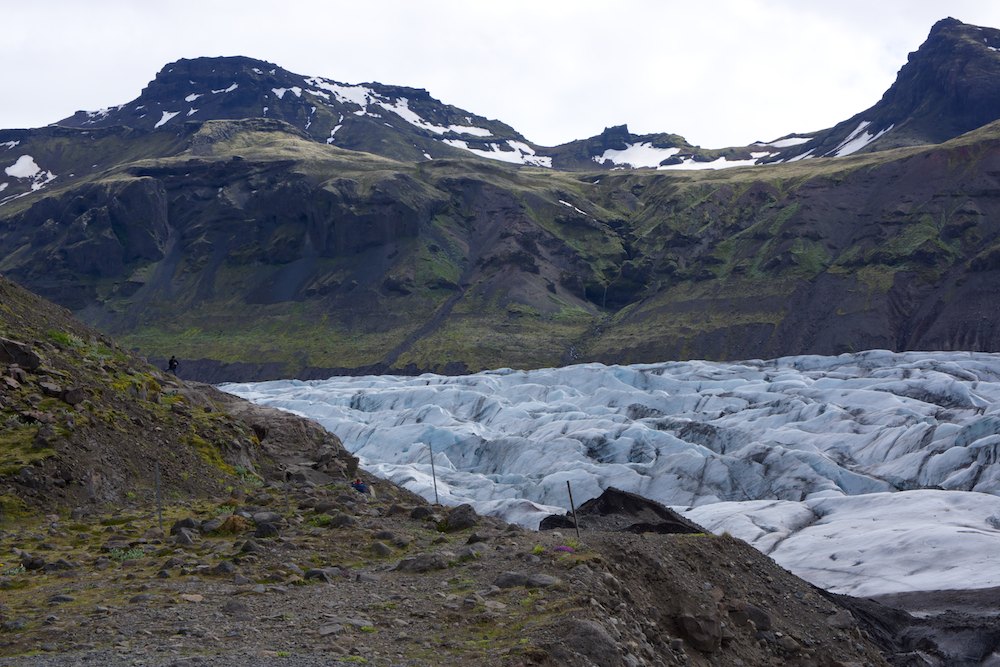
[359,486]
[173,364]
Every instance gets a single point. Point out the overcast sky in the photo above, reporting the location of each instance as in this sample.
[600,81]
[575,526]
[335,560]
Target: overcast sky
[718,72]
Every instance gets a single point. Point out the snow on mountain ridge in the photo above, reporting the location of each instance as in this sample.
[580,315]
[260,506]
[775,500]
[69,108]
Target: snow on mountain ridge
[794,434]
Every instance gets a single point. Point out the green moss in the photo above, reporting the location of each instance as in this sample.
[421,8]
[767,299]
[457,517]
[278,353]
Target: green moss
[17,448]
[14,509]
[811,257]
[209,453]
[876,277]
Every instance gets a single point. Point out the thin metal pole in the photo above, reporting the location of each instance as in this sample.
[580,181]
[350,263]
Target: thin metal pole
[159,498]
[434,474]
[576,524]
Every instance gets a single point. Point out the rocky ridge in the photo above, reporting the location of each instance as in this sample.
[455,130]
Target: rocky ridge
[319,574]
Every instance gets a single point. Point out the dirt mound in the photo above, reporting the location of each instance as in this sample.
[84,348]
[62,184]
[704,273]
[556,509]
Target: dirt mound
[617,510]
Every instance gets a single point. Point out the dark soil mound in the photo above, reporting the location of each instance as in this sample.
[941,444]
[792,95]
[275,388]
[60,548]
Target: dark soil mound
[617,510]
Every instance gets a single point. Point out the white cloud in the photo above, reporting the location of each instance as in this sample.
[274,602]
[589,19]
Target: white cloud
[719,73]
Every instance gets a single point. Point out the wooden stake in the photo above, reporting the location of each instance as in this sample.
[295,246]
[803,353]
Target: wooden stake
[159,497]
[434,474]
[572,507]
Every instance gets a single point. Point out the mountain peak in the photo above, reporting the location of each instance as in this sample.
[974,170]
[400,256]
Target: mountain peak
[395,121]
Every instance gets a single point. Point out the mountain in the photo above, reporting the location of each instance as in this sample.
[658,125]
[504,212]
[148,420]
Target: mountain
[393,121]
[253,248]
[949,86]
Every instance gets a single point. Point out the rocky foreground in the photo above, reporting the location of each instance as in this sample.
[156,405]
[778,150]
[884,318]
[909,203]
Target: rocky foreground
[306,574]
[145,520]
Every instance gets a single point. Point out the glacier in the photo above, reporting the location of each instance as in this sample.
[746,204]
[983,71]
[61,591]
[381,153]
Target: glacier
[866,473]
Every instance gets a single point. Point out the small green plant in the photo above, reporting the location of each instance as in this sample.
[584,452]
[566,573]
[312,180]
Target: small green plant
[249,477]
[12,571]
[65,339]
[126,554]
[283,654]
[320,520]
[370,629]
[538,550]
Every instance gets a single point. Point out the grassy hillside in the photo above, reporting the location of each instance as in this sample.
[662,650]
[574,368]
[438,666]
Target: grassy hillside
[252,251]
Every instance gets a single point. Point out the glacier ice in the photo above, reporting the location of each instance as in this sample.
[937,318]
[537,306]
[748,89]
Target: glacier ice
[854,471]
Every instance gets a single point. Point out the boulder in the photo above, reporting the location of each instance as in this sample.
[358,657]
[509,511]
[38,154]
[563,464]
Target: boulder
[423,563]
[703,633]
[460,518]
[14,352]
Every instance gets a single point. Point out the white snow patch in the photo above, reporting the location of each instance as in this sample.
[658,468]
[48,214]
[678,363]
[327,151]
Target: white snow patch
[192,97]
[520,153]
[280,92]
[227,90]
[566,203]
[192,111]
[643,154]
[470,130]
[857,139]
[718,163]
[94,116]
[872,544]
[808,154]
[785,143]
[167,115]
[428,156]
[10,144]
[24,167]
[359,95]
[3,186]
[257,71]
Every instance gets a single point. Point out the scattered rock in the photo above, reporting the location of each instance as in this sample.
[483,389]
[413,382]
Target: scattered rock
[540,580]
[226,567]
[423,563]
[511,580]
[327,574]
[588,639]
[15,352]
[183,537]
[704,633]
[189,524]
[381,549]
[235,608]
[266,531]
[460,518]
[50,389]
[74,395]
[422,512]
[267,517]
